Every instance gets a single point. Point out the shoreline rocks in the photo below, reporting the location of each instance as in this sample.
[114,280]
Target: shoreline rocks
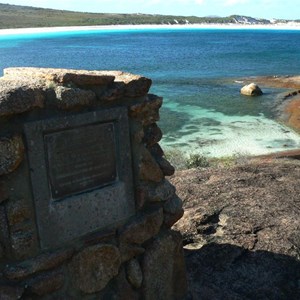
[241,230]
[251,89]
[287,105]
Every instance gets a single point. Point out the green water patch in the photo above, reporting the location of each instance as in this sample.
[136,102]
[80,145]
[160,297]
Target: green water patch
[169,139]
[207,122]
[171,120]
[186,131]
[207,142]
[283,143]
[238,122]
[231,135]
[214,130]
[221,95]
[191,127]
[181,145]
[213,119]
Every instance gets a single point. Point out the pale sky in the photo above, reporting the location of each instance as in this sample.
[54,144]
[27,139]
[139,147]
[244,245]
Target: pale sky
[280,9]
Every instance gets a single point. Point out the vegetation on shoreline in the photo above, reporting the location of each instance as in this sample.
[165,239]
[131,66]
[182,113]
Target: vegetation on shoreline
[197,160]
[15,16]
[182,161]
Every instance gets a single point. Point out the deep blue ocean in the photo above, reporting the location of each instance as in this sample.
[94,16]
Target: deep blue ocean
[198,72]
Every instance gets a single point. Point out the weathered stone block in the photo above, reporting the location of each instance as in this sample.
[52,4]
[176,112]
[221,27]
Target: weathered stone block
[140,200]
[70,98]
[22,237]
[126,85]
[16,98]
[94,267]
[82,78]
[153,135]
[165,166]
[173,211]
[3,192]
[4,232]
[11,154]
[124,290]
[17,212]
[61,76]
[1,251]
[129,251]
[98,237]
[156,151]
[143,227]
[135,85]
[131,85]
[11,292]
[46,283]
[118,289]
[40,263]
[173,205]
[159,192]
[148,111]
[115,92]
[22,240]
[118,84]
[134,273]
[170,219]
[149,169]
[137,133]
[164,268]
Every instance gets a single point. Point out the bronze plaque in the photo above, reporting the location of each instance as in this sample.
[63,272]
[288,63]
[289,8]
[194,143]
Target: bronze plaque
[80,159]
[81,174]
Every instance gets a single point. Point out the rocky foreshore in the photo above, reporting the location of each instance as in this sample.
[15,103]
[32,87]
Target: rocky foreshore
[241,230]
[241,225]
[287,106]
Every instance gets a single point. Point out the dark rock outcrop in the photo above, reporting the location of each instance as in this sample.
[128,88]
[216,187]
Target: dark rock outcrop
[242,230]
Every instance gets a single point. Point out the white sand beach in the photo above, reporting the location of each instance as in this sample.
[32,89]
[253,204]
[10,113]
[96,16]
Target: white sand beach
[277,26]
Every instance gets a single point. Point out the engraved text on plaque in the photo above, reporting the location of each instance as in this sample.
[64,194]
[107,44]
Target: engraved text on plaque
[80,159]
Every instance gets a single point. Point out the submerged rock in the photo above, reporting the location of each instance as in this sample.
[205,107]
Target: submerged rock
[251,89]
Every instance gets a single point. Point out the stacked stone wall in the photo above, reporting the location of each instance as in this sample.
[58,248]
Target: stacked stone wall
[139,257]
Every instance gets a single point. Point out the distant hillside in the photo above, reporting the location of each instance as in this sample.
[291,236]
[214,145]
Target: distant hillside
[15,16]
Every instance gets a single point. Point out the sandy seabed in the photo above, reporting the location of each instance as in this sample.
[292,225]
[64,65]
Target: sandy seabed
[17,31]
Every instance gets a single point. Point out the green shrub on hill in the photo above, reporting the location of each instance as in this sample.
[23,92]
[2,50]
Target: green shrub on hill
[15,16]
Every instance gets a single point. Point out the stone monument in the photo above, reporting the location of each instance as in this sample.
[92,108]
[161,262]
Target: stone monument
[85,208]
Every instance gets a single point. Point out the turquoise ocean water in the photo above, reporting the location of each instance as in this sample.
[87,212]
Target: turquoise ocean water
[196,71]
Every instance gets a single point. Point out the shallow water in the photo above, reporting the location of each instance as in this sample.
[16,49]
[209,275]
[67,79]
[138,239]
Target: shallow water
[195,70]
[225,123]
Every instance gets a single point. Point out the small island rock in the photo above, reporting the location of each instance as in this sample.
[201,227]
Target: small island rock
[251,89]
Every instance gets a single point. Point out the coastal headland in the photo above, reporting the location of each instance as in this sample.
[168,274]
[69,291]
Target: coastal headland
[43,17]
